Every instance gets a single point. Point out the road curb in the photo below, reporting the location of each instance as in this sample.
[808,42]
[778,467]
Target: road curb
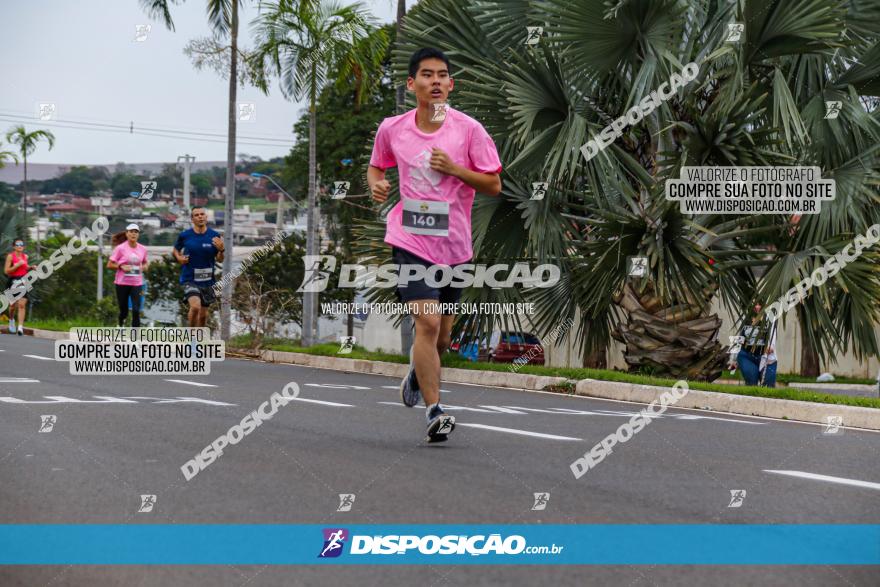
[854,416]
[50,334]
[782,409]
[448,374]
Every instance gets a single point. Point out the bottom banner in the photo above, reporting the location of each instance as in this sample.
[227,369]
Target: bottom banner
[252,544]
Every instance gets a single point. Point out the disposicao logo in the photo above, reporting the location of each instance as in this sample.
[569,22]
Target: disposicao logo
[334,540]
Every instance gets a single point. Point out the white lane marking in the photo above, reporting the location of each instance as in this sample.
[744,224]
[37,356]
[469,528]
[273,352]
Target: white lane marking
[520,432]
[447,407]
[108,399]
[39,357]
[398,387]
[317,401]
[18,380]
[196,383]
[334,386]
[828,478]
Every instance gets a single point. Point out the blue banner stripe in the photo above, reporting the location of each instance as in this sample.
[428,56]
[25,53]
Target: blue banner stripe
[246,544]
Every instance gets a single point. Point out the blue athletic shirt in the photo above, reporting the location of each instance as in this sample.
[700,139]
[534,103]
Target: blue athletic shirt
[202,252]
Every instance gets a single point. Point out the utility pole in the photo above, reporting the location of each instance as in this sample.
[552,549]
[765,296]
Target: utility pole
[187,164]
[229,207]
[406,325]
[100,255]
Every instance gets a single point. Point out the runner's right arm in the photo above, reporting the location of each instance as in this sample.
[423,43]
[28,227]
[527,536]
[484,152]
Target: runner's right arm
[111,262]
[175,251]
[379,186]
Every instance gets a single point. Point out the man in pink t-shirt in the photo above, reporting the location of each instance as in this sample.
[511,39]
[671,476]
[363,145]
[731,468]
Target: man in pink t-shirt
[442,156]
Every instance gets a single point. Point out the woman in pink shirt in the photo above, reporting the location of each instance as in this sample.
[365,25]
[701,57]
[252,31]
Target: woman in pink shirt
[129,258]
[16,267]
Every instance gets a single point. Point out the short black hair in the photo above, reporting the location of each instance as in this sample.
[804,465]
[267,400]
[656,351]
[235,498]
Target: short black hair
[426,53]
[194,208]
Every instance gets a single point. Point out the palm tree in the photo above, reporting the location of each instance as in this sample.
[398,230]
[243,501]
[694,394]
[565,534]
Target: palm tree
[10,227]
[223,18]
[27,144]
[758,102]
[7,155]
[308,45]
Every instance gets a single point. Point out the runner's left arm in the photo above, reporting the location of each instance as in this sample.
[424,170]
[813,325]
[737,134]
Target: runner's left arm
[485,183]
[221,251]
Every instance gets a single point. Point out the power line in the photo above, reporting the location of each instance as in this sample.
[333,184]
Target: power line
[127,124]
[131,130]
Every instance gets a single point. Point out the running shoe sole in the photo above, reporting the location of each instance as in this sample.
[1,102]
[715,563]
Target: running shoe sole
[409,397]
[414,396]
[439,429]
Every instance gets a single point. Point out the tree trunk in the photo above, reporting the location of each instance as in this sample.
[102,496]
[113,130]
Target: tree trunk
[596,360]
[809,356]
[676,341]
[310,299]
[24,197]
[229,208]
[406,325]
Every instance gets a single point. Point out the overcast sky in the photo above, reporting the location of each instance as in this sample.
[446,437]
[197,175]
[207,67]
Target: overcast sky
[82,57]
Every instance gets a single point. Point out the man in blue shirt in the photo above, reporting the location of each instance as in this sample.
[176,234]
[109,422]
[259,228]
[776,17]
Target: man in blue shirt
[197,249]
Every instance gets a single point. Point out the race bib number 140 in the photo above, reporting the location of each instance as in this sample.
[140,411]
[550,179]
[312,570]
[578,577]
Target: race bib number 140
[426,217]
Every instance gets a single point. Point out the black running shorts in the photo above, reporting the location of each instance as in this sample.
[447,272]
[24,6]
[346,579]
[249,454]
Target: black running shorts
[419,289]
[205,293]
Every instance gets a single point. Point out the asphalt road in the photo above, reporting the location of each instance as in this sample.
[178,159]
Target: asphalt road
[116,438]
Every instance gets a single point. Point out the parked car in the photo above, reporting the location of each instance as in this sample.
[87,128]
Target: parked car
[515,347]
[469,349]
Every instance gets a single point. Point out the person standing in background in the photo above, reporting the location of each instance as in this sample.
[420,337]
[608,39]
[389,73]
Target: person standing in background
[757,356]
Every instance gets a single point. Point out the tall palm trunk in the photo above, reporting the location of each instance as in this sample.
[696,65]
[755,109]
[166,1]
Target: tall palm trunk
[24,195]
[597,359]
[809,356]
[229,208]
[310,299]
[679,341]
[406,325]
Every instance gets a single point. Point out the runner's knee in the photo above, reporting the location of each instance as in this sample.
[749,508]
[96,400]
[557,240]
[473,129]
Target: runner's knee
[428,326]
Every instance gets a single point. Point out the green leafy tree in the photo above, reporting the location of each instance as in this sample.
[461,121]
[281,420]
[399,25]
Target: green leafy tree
[201,184]
[7,193]
[223,18]
[122,184]
[308,45]
[70,292]
[7,156]
[82,180]
[163,275]
[27,144]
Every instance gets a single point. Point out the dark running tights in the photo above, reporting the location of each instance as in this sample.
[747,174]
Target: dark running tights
[123,293]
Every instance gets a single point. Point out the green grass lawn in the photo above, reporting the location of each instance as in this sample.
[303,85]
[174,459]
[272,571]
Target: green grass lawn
[574,374]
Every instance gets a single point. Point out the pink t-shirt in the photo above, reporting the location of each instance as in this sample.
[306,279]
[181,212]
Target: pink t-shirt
[400,143]
[124,254]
